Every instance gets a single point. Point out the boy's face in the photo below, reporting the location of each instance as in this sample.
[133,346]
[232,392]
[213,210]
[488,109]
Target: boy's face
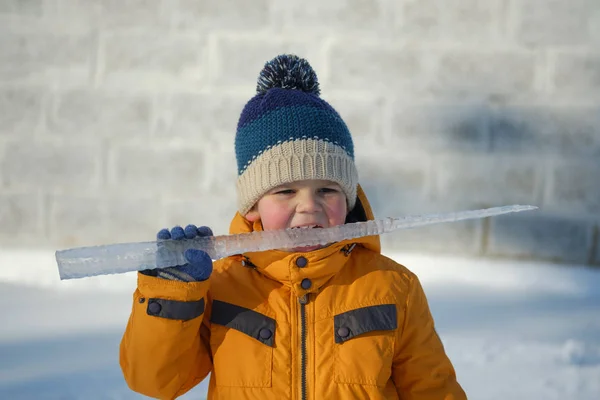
[309,203]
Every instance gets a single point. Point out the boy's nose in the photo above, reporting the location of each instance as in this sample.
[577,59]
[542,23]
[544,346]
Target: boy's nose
[308,203]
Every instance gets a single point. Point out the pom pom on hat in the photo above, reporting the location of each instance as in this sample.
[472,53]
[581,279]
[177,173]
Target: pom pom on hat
[288,71]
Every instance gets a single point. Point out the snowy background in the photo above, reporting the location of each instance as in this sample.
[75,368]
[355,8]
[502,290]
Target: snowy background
[117,118]
[513,330]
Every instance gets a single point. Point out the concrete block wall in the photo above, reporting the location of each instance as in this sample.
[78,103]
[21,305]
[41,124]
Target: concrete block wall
[117,118]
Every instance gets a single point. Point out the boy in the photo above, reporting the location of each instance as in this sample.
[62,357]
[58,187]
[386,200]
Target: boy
[339,321]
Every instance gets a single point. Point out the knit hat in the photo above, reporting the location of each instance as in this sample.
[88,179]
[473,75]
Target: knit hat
[287,133]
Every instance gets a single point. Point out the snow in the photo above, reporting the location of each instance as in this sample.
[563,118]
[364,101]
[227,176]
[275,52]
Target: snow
[512,329]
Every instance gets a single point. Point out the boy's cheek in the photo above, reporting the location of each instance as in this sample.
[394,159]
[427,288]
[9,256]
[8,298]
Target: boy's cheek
[272,219]
[339,211]
[273,222]
[339,218]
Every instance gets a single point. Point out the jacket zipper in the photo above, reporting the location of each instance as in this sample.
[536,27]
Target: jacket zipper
[303,300]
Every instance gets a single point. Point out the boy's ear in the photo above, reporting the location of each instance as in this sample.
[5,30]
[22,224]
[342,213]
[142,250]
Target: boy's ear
[252,215]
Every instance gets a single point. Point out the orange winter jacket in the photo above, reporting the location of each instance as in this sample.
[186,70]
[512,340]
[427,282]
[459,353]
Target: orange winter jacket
[342,322]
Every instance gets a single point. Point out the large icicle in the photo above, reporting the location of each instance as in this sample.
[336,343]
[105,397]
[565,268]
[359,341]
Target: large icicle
[119,258]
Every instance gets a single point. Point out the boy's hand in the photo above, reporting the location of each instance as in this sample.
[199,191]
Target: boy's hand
[199,266]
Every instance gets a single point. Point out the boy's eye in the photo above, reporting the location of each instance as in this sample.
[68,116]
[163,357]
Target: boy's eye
[284,191]
[328,190]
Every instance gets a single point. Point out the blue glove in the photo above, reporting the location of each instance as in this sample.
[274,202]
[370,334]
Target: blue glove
[199,266]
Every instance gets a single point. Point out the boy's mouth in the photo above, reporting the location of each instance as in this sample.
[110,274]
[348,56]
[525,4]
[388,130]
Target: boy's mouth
[307,248]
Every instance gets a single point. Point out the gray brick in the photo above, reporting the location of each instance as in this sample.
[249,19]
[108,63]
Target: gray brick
[540,236]
[49,166]
[374,68]
[19,216]
[132,219]
[136,14]
[67,16]
[22,7]
[42,58]
[404,196]
[394,187]
[44,50]
[440,127]
[575,187]
[407,173]
[141,170]
[554,22]
[215,210]
[569,131]
[450,20]
[220,169]
[461,73]
[50,17]
[152,60]
[38,74]
[94,114]
[462,237]
[239,61]
[577,75]
[78,221]
[596,255]
[364,118]
[21,111]
[352,15]
[221,15]
[201,117]
[521,130]
[415,203]
[487,181]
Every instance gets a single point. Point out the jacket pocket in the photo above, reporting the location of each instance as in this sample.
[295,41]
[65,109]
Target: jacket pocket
[364,345]
[241,342]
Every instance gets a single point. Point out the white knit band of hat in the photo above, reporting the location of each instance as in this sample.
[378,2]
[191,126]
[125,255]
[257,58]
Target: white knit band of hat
[294,161]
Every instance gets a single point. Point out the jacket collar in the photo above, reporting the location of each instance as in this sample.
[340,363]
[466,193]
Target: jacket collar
[321,264]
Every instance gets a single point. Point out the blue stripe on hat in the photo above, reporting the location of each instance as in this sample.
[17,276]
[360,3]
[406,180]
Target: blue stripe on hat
[290,123]
[277,98]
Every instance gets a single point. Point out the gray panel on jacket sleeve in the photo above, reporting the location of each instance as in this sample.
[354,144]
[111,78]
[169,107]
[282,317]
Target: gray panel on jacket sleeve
[173,309]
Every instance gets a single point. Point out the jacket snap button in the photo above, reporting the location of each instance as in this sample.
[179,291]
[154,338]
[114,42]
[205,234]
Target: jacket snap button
[265,333]
[154,308]
[343,332]
[301,262]
[306,283]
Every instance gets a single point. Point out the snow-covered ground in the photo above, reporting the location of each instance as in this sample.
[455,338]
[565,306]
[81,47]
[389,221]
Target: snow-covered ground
[513,330]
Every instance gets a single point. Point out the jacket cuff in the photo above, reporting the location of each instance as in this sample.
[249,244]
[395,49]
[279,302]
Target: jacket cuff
[151,287]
